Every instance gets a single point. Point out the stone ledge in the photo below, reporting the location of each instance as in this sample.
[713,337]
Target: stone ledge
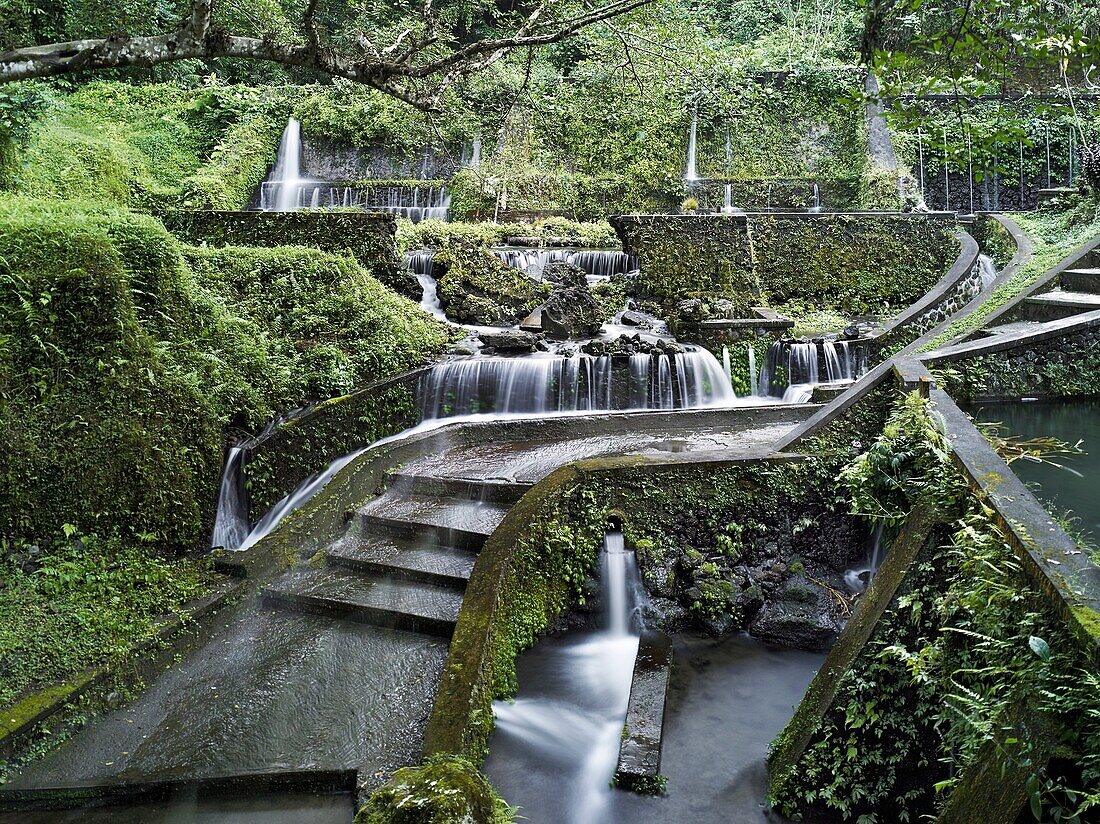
[639,763]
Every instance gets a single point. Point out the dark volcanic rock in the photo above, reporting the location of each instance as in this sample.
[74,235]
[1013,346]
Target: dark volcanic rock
[564,273]
[510,341]
[802,615]
[571,313]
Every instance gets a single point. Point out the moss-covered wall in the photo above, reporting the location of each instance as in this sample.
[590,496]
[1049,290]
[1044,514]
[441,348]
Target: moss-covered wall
[306,445]
[1065,366]
[855,263]
[123,354]
[686,255]
[370,237]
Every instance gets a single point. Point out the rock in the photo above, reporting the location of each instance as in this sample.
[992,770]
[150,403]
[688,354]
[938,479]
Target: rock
[565,273]
[802,615]
[691,309]
[666,614]
[632,318]
[571,313]
[533,322]
[510,341]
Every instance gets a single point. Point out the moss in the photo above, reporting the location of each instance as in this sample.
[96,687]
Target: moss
[236,166]
[479,288]
[440,791]
[133,352]
[1088,619]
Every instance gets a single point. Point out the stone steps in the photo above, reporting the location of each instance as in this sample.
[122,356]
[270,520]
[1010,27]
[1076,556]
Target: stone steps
[453,522]
[1059,304]
[1081,280]
[487,491]
[409,560]
[393,603]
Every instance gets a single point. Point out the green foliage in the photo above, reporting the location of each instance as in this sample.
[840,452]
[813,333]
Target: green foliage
[903,467]
[84,606]
[442,790]
[147,146]
[968,669]
[122,354]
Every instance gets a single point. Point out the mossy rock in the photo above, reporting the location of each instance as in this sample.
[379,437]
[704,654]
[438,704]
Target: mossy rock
[445,790]
[480,288]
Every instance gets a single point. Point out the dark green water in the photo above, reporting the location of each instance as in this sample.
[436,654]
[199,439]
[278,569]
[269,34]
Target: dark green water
[1071,421]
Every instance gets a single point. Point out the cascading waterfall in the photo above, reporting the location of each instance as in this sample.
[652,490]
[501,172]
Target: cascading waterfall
[282,192]
[576,732]
[231,525]
[599,264]
[726,367]
[553,383]
[795,367]
[287,190]
[753,387]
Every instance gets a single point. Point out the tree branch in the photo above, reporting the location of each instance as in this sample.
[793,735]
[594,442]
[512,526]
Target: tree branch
[411,68]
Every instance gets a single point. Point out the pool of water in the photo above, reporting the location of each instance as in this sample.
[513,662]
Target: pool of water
[727,700]
[1071,421]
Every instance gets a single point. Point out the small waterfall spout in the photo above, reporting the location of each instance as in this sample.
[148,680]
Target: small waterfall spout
[576,731]
[231,525]
[988,270]
[691,174]
[859,578]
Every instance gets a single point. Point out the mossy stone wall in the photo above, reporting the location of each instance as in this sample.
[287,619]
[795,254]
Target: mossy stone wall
[858,263]
[855,263]
[1059,367]
[686,255]
[370,237]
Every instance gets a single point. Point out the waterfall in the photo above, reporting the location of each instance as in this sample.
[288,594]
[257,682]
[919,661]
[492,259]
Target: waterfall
[281,192]
[691,175]
[578,729]
[598,264]
[475,159]
[988,270]
[859,578]
[547,384]
[817,199]
[231,525]
[726,364]
[753,387]
[287,190]
[793,368]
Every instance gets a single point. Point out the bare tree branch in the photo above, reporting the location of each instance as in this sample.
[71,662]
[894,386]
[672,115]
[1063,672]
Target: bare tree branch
[414,67]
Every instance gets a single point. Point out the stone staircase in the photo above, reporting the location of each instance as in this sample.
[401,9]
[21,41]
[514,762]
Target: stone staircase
[406,557]
[1073,291]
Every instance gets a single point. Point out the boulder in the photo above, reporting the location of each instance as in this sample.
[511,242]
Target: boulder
[632,318]
[571,313]
[802,615]
[564,273]
[533,322]
[510,341]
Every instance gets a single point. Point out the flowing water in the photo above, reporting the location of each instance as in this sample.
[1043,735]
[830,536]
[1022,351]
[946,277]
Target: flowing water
[568,728]
[287,189]
[552,753]
[231,525]
[554,383]
[1071,421]
[793,368]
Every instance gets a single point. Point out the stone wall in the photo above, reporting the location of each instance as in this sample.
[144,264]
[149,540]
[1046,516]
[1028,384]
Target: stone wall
[855,263]
[1056,366]
[370,237]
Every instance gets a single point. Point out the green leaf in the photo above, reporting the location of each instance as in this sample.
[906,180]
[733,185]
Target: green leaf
[1039,647]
